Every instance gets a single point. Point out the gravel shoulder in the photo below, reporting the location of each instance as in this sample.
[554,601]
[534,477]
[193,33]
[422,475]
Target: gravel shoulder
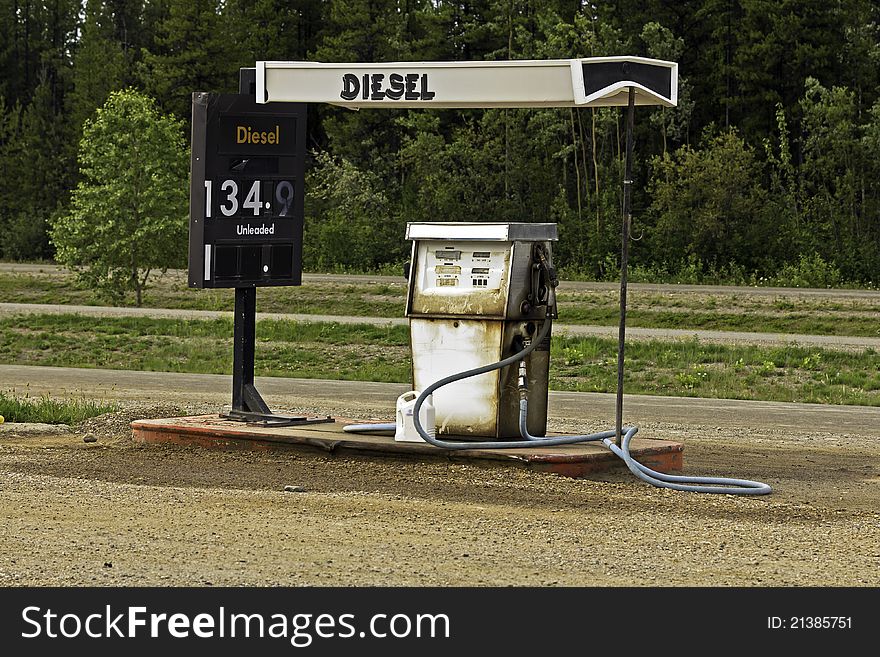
[116,513]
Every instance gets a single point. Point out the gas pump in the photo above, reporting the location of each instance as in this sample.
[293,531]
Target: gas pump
[477,294]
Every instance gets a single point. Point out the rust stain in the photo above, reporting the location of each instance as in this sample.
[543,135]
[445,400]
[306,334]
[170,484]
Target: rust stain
[475,303]
[567,460]
[444,347]
[464,301]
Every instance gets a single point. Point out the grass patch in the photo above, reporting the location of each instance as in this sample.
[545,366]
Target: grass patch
[283,348]
[373,353]
[50,411]
[723,312]
[171,291]
[796,323]
[695,369]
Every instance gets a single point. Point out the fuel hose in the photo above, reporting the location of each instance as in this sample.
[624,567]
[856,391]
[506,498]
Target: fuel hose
[721,485]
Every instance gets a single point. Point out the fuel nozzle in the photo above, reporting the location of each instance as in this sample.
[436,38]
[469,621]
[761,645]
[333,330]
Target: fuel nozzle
[551,304]
[552,278]
[544,281]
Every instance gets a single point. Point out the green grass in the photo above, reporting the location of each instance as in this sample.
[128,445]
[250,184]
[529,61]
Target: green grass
[696,369]
[283,348]
[16,408]
[692,311]
[373,353]
[801,322]
[171,291]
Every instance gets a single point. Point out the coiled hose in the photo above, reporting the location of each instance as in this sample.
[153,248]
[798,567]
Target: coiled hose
[720,485]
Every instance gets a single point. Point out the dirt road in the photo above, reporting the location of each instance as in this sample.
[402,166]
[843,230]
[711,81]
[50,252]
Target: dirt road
[112,512]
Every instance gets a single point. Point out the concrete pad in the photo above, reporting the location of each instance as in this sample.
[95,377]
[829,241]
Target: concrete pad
[568,460]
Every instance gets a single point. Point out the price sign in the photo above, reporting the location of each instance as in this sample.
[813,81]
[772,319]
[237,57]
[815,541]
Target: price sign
[246,196]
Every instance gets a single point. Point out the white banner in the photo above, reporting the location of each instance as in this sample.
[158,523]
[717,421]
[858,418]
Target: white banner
[589,82]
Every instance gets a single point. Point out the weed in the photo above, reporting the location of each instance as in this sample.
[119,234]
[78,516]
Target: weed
[692,379]
[767,368]
[17,408]
[572,356]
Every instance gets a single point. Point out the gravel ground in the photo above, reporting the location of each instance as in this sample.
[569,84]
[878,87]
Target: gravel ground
[116,513]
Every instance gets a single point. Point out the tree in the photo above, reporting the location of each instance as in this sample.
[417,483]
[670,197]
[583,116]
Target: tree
[808,166]
[273,29]
[36,39]
[350,223]
[195,50]
[709,205]
[99,63]
[837,181]
[128,213]
[36,164]
[672,122]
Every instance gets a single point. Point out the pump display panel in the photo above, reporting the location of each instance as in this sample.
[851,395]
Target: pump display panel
[246,194]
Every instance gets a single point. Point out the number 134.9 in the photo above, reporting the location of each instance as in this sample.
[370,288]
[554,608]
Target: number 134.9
[246,197]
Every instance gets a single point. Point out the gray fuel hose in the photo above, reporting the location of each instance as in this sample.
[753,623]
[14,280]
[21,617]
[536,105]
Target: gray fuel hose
[720,485]
[496,444]
[371,427]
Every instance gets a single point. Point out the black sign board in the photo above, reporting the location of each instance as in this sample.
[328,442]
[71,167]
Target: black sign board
[246,192]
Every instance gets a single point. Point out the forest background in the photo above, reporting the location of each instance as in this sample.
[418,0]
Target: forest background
[768,171]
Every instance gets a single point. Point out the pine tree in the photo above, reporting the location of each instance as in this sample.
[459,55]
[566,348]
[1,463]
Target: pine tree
[194,51]
[99,63]
[38,159]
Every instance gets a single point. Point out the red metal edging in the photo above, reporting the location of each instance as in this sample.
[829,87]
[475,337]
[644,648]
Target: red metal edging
[566,460]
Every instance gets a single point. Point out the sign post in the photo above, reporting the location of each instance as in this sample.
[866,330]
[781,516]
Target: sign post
[246,217]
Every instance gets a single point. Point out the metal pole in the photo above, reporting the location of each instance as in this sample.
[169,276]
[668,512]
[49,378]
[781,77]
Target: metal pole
[243,345]
[624,260]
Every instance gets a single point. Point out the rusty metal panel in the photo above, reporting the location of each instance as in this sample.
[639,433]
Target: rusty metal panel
[493,280]
[441,347]
[473,283]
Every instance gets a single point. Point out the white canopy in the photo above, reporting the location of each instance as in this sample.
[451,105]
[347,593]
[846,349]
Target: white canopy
[588,82]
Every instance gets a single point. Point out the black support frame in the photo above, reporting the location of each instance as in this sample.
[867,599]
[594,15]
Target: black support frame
[247,403]
[624,264]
